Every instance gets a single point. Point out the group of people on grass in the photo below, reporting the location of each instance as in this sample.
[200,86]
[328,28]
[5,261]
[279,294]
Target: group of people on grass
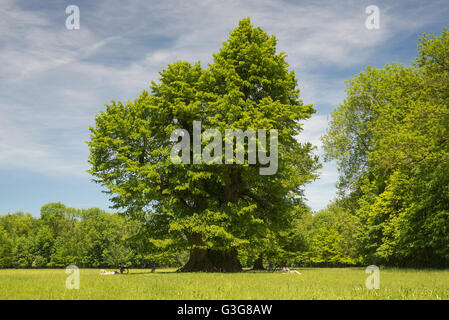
[284,270]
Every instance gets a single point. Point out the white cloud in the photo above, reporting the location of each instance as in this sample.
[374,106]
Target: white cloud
[313,129]
[53,81]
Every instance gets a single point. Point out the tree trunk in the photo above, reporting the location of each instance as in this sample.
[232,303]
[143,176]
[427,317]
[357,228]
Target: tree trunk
[258,263]
[209,260]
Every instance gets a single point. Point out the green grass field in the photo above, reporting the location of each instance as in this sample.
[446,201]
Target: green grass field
[314,283]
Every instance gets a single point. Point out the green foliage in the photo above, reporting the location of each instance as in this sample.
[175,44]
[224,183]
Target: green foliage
[326,238]
[333,237]
[63,236]
[116,253]
[15,245]
[6,247]
[390,138]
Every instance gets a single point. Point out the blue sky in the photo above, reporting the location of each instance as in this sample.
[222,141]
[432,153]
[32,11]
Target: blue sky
[53,81]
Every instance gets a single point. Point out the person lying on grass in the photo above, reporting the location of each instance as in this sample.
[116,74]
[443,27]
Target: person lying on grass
[104,272]
[287,270]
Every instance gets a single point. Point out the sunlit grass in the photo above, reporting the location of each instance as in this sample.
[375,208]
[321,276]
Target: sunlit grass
[314,283]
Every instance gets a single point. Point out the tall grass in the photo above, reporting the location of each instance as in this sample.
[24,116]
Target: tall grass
[313,283]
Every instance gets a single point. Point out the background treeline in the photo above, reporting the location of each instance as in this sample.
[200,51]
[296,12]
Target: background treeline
[390,138]
[94,238]
[85,237]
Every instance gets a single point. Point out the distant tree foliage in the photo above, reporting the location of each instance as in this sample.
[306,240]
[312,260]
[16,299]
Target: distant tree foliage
[93,238]
[390,138]
[84,237]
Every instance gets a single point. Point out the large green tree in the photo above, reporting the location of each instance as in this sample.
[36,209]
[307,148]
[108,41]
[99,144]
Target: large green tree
[214,210]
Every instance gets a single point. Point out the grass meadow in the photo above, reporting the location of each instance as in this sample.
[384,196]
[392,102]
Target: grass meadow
[313,283]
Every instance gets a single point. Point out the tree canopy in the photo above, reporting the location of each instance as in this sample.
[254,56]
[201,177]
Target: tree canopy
[390,139]
[215,210]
